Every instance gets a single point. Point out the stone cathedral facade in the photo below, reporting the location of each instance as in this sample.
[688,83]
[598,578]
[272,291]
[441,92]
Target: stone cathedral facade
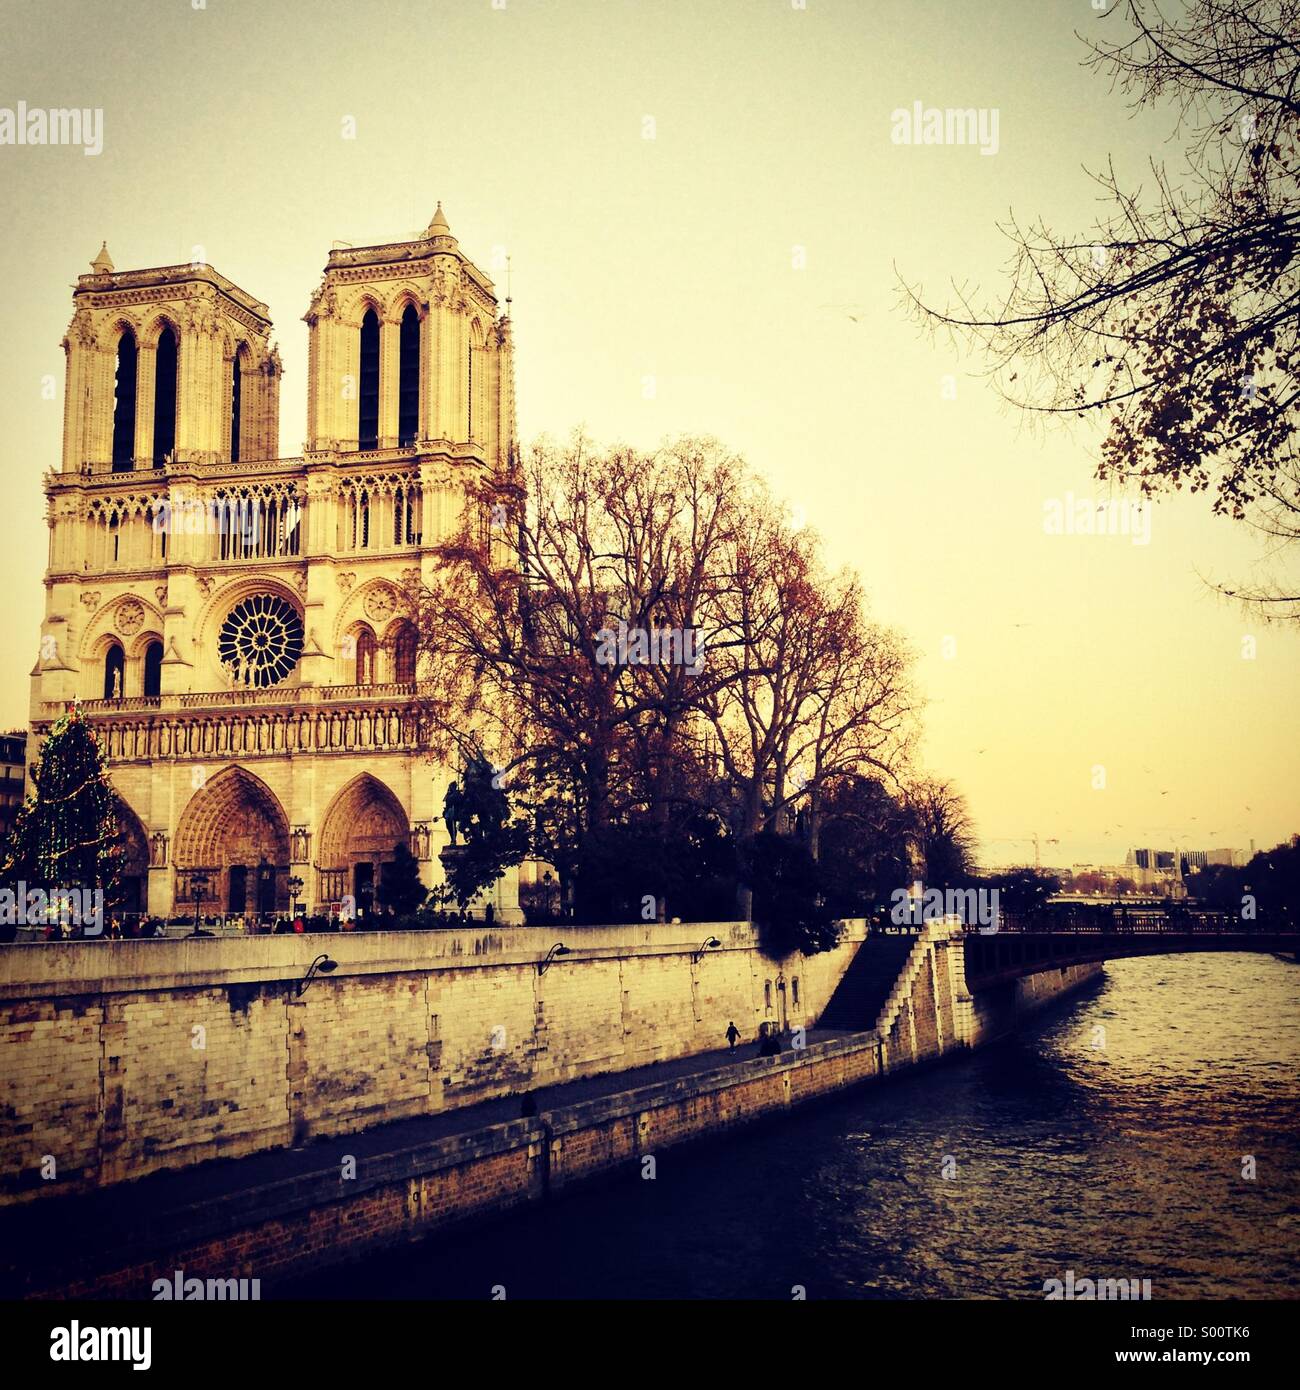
[233,623]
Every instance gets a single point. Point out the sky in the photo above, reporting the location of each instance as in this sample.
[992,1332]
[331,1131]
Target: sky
[707,220]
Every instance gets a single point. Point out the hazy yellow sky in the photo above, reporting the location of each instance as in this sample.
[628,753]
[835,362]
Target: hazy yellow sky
[734,275]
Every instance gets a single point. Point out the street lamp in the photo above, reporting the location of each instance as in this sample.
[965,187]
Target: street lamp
[198,887]
[707,944]
[322,965]
[559,949]
[295,887]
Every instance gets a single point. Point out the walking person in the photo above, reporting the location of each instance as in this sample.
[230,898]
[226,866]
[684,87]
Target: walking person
[733,1035]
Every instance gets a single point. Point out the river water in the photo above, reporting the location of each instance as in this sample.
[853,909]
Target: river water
[1111,1138]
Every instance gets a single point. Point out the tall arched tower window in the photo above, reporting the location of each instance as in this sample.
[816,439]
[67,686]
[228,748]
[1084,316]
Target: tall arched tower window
[368,385]
[164,397]
[153,655]
[404,653]
[408,398]
[236,404]
[469,393]
[124,404]
[114,672]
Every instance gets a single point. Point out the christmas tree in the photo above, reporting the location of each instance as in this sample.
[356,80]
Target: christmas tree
[66,834]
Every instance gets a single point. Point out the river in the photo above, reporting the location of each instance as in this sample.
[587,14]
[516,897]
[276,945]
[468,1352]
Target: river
[1110,1138]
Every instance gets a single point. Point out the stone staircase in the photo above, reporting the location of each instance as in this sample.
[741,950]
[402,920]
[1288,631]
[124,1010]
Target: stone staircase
[866,985]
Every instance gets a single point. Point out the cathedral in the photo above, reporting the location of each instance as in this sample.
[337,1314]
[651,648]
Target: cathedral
[235,624]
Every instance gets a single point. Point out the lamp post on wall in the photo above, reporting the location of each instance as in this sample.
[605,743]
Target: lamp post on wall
[322,965]
[559,949]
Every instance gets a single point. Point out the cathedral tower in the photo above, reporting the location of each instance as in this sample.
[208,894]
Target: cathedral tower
[234,623]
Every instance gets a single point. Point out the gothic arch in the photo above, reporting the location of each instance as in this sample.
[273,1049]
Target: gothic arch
[126,377]
[365,301]
[401,642]
[152,330]
[112,672]
[235,830]
[133,876]
[474,382]
[399,298]
[121,323]
[359,655]
[137,645]
[103,629]
[360,832]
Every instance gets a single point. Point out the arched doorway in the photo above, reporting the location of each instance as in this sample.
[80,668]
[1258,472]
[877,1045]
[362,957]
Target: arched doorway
[235,833]
[361,833]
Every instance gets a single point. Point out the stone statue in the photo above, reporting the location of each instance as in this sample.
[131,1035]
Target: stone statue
[117,685]
[451,806]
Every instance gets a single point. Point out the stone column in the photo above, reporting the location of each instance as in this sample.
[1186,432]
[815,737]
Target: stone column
[146,380]
[79,360]
[389,346]
[344,370]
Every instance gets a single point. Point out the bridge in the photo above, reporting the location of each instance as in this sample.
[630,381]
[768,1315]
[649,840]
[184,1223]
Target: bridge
[1026,944]
[1056,937]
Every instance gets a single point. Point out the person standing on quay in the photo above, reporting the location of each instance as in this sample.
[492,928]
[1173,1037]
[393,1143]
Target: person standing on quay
[733,1035]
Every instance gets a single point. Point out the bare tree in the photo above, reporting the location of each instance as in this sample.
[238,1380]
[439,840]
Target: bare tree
[943,831]
[1175,318]
[526,632]
[757,681]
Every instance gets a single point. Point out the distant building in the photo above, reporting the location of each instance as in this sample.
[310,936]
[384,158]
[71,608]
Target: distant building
[1152,868]
[13,775]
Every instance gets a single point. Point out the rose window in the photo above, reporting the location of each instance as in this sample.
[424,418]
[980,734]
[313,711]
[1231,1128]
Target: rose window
[261,641]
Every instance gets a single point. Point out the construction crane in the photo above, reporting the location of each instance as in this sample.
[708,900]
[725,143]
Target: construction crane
[1024,840]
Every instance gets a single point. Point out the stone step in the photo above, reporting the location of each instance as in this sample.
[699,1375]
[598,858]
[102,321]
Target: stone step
[866,984]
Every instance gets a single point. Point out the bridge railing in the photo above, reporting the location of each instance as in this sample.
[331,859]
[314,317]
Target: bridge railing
[1110,920]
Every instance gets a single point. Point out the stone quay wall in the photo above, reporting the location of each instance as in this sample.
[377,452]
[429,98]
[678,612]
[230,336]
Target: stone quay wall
[283,1229]
[122,1058]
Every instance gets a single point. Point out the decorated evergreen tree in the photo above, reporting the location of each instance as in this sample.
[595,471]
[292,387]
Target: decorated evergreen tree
[66,834]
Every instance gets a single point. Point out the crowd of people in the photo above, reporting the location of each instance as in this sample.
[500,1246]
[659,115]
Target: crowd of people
[135,926]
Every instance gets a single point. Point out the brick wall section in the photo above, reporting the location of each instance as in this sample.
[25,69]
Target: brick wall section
[996,1011]
[50,1099]
[943,977]
[504,1172]
[200,1075]
[455,1181]
[924,1015]
[366,1054]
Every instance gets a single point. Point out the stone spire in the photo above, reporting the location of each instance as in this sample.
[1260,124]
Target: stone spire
[439,227]
[103,263]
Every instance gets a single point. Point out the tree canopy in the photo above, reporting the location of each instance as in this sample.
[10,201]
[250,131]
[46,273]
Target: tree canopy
[1174,319]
